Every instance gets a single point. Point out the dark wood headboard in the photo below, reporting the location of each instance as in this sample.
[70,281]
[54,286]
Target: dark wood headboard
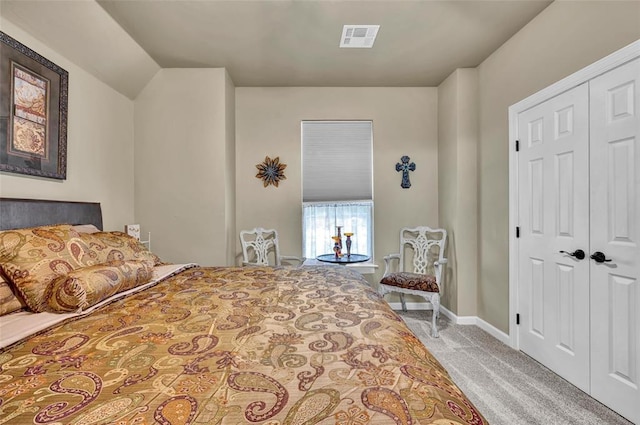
[20,213]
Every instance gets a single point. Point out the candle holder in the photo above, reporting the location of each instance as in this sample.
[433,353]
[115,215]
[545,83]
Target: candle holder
[337,249]
[339,235]
[348,243]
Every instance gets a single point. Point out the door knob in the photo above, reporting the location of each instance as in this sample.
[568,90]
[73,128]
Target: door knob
[578,253]
[599,257]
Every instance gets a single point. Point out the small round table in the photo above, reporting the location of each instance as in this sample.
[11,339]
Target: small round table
[354,258]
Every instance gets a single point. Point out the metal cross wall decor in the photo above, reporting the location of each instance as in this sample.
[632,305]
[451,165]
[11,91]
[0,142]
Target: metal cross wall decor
[405,167]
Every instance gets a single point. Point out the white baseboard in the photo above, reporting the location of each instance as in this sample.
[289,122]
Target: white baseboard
[412,306]
[458,320]
[493,331]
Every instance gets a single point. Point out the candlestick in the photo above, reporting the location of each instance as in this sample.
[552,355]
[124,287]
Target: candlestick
[348,235]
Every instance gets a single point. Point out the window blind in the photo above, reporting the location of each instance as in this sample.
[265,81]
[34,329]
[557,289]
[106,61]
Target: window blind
[337,160]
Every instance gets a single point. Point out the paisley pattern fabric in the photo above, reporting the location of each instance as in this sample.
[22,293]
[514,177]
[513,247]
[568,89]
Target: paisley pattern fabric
[9,302]
[255,345]
[420,282]
[88,286]
[15,242]
[32,258]
[111,246]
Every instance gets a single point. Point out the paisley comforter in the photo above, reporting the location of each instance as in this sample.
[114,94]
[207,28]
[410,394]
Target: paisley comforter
[277,346]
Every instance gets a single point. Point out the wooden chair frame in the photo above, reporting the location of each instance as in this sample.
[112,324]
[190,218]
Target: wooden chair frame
[417,241]
[260,242]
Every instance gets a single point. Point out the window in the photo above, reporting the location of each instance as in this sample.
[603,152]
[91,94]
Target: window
[337,185]
[321,218]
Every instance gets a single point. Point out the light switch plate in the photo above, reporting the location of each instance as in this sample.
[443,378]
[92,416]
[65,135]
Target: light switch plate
[133,230]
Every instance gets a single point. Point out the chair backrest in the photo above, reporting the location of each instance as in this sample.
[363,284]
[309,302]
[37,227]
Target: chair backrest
[424,245]
[257,244]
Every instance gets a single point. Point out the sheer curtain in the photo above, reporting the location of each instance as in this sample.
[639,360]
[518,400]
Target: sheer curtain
[319,221]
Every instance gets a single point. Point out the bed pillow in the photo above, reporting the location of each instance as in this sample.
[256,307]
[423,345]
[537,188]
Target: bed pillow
[420,282]
[31,258]
[111,246]
[9,302]
[85,228]
[85,287]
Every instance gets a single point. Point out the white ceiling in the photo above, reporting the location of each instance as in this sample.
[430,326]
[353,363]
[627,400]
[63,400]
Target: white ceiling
[273,43]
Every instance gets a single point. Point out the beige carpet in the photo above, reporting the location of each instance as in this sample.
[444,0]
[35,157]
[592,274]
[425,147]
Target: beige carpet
[507,386]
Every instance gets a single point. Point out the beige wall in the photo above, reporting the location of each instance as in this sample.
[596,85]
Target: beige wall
[99,145]
[230,170]
[448,182]
[562,39]
[404,123]
[457,187]
[181,139]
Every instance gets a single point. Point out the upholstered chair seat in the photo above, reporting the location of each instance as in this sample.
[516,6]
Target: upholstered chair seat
[408,280]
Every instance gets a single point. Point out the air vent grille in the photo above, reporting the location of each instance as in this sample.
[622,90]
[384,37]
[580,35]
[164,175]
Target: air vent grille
[359,36]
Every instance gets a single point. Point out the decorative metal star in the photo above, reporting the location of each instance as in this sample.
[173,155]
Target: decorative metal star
[271,171]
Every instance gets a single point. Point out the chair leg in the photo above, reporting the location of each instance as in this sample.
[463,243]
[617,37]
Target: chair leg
[404,305]
[435,302]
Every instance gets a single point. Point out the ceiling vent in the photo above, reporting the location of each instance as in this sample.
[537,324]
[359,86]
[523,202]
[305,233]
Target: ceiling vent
[359,36]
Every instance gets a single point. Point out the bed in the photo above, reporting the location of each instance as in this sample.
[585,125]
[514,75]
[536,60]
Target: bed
[215,345]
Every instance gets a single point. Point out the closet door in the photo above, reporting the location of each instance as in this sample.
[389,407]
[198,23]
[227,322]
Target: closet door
[553,208]
[615,232]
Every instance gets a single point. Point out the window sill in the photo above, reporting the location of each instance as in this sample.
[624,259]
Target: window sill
[364,268]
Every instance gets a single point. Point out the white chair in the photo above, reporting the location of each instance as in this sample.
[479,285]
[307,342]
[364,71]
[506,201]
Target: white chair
[418,268]
[258,245]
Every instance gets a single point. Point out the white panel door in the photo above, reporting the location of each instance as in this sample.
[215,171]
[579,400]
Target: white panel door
[553,198]
[615,232]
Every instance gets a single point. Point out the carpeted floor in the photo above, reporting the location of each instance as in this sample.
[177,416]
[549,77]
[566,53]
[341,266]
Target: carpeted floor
[507,386]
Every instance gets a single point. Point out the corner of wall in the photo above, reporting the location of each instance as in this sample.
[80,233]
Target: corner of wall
[230,169]
[187,222]
[457,188]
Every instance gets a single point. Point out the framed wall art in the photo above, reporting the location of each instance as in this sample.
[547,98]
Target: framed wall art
[33,112]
